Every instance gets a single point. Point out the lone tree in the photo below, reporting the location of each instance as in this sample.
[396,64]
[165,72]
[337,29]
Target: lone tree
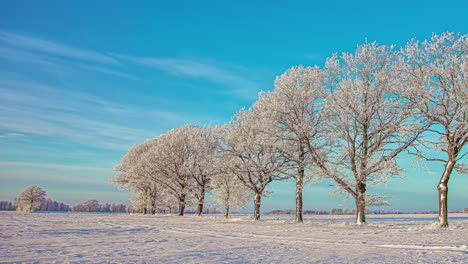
[438,73]
[30,199]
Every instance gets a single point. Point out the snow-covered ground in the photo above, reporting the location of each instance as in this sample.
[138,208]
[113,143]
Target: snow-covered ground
[122,238]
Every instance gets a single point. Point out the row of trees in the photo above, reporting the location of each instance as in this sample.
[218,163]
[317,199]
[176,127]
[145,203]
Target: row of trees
[346,122]
[179,167]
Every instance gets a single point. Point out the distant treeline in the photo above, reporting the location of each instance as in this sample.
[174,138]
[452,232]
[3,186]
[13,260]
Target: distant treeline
[88,206]
[51,205]
[6,205]
[94,206]
[34,198]
[46,204]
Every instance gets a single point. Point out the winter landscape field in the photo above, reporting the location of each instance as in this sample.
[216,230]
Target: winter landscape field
[127,238]
[128,131]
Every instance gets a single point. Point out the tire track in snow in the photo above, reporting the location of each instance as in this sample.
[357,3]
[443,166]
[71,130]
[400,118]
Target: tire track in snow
[322,242]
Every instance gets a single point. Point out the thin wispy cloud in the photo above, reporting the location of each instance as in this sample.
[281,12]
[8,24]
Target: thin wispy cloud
[53,166]
[54,48]
[234,78]
[33,108]
[58,110]
[37,96]
[11,135]
[94,68]
[57,65]
[52,112]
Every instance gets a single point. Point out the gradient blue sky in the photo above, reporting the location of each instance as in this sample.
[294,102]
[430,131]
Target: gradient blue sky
[82,82]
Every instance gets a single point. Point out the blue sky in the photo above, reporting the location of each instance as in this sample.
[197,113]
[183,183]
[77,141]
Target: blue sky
[82,82]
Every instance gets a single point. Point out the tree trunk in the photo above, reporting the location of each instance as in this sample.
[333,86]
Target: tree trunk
[360,210]
[144,211]
[226,211]
[300,184]
[153,211]
[181,206]
[360,203]
[443,192]
[257,203]
[201,201]
[299,187]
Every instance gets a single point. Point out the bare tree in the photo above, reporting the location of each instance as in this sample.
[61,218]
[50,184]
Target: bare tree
[30,199]
[371,122]
[294,110]
[255,159]
[437,71]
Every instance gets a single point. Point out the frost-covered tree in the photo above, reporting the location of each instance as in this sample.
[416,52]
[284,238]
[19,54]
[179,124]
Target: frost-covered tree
[254,158]
[294,110]
[147,195]
[168,163]
[30,199]
[139,203]
[133,174]
[438,73]
[370,121]
[175,164]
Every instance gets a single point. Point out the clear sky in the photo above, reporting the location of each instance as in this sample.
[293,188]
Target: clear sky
[81,82]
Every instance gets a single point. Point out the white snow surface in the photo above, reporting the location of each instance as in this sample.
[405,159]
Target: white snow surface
[124,238]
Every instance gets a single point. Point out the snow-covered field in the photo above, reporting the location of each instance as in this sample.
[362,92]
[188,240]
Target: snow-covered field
[121,238]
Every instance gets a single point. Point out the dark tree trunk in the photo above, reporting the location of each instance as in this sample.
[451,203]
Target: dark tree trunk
[31,206]
[226,212]
[443,192]
[181,205]
[257,203]
[361,204]
[201,201]
[300,184]
[181,208]
[299,187]
[153,211]
[144,211]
